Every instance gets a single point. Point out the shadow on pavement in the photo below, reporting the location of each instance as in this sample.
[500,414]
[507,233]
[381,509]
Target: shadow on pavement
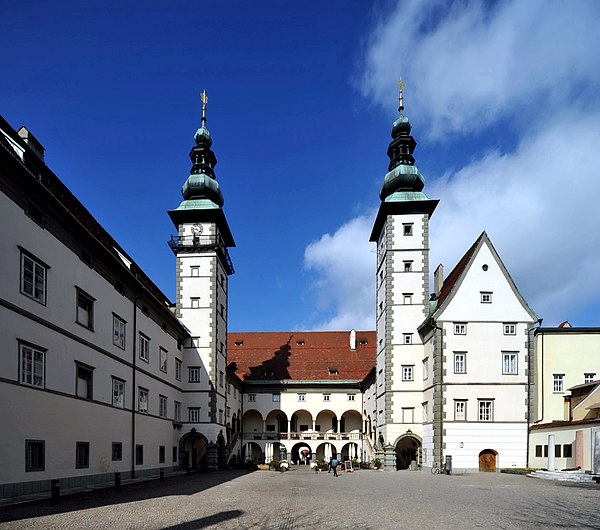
[177,485]
[205,522]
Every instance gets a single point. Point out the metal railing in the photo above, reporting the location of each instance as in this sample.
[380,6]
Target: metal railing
[304,435]
[198,243]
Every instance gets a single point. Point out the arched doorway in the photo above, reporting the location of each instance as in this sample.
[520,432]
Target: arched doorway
[487,461]
[301,453]
[192,450]
[408,452]
[252,453]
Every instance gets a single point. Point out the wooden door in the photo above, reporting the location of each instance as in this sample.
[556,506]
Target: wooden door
[487,461]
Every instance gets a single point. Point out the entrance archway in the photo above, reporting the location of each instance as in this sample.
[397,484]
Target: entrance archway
[192,450]
[487,461]
[301,453]
[252,453]
[408,452]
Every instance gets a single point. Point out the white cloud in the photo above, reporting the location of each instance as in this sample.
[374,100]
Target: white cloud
[467,64]
[345,269]
[534,63]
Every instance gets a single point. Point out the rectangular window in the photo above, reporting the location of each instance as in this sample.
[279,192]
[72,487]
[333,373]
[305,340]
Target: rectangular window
[276,396]
[178,369]
[228,412]
[486,297]
[144,348]
[559,383]
[407,266]
[326,397]
[333,371]
[35,455]
[85,309]
[32,365]
[195,303]
[510,329]
[301,397]
[407,337]
[425,411]
[408,415]
[162,406]
[567,451]
[161,454]
[407,373]
[162,360]
[557,451]
[142,400]
[220,415]
[407,298]
[407,229]
[486,410]
[195,270]
[194,415]
[118,393]
[545,451]
[174,453]
[509,364]
[194,374]
[221,379]
[82,455]
[351,397]
[33,278]
[177,414]
[117,451]
[194,342]
[538,451]
[460,363]
[425,369]
[460,410]
[589,377]
[139,455]
[84,381]
[460,328]
[118,332]
[251,398]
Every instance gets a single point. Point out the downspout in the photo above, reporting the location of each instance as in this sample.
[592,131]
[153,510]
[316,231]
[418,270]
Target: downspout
[530,375]
[441,382]
[133,385]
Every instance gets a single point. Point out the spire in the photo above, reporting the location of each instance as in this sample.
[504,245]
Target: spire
[403,175]
[202,183]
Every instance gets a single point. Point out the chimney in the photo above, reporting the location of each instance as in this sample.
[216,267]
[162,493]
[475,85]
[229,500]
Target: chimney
[438,279]
[352,340]
[32,142]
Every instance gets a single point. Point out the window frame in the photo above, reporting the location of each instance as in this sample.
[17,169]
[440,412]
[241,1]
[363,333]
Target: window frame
[178,369]
[485,416]
[33,363]
[407,229]
[460,403]
[163,359]
[589,377]
[80,294]
[177,410]
[162,454]
[144,347]
[407,338]
[251,398]
[510,328]
[512,370]
[82,463]
[327,397]
[408,372]
[486,297]
[302,397]
[276,397]
[89,370]
[462,354]
[117,452]
[115,384]
[36,263]
[193,370]
[143,397]
[32,457]
[139,454]
[408,266]
[194,412]
[560,387]
[119,339]
[162,406]
[460,328]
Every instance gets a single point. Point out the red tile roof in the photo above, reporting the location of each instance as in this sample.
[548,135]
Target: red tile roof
[301,356]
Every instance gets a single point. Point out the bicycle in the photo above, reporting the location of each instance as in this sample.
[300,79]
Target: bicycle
[436,469]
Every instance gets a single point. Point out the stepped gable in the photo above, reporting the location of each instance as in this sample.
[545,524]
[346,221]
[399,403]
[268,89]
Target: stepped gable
[301,356]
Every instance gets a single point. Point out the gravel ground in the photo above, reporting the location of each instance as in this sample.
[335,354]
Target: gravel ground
[302,499]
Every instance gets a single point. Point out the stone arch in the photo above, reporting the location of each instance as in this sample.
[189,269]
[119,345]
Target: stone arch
[409,447]
[488,461]
[351,422]
[325,451]
[252,422]
[350,451]
[276,421]
[192,450]
[327,421]
[300,419]
[298,457]
[252,452]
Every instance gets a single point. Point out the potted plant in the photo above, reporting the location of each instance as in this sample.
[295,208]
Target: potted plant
[376,463]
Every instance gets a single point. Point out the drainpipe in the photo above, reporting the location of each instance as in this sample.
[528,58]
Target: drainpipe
[441,386]
[530,376]
[133,385]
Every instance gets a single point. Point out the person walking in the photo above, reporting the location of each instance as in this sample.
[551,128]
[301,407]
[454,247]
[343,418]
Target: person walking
[334,465]
[329,467]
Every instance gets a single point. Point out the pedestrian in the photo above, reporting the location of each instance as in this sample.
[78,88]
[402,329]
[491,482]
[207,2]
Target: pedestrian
[334,465]
[329,467]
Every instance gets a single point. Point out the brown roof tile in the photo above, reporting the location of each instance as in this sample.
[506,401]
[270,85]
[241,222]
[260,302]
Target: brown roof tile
[301,356]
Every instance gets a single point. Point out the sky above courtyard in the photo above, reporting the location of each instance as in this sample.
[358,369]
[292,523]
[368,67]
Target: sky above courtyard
[502,96]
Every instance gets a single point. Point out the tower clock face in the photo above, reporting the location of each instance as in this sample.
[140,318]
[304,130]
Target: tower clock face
[197,229]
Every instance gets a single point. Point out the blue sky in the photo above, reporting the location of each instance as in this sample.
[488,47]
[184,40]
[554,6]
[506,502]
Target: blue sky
[502,97]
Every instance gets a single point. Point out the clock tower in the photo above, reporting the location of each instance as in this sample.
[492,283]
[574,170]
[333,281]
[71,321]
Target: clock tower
[203,266]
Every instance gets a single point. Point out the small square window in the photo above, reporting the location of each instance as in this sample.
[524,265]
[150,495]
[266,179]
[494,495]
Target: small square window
[301,397]
[407,229]
[407,298]
[538,451]
[326,397]
[194,374]
[408,373]
[589,377]
[460,328]
[333,371]
[82,455]
[510,329]
[195,270]
[119,332]
[567,451]
[35,455]
[195,303]
[408,266]
[251,398]
[144,348]
[117,451]
[276,397]
[139,455]
[486,297]
[407,338]
[351,397]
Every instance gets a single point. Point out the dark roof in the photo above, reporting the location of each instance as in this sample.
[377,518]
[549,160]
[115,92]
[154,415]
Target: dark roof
[301,356]
[563,423]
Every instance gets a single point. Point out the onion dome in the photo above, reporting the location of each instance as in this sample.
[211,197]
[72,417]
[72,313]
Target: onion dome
[403,180]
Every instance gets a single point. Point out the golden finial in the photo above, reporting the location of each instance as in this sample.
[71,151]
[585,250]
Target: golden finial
[401,96]
[204,99]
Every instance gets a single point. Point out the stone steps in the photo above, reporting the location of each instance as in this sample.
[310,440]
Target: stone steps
[566,476]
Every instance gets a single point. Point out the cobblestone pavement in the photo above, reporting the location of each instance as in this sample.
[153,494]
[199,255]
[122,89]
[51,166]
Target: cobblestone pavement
[303,499]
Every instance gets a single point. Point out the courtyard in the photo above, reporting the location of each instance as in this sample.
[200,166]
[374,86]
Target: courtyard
[301,498]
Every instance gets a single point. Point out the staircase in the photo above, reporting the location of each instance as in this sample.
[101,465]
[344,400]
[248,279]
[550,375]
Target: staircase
[577,476]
